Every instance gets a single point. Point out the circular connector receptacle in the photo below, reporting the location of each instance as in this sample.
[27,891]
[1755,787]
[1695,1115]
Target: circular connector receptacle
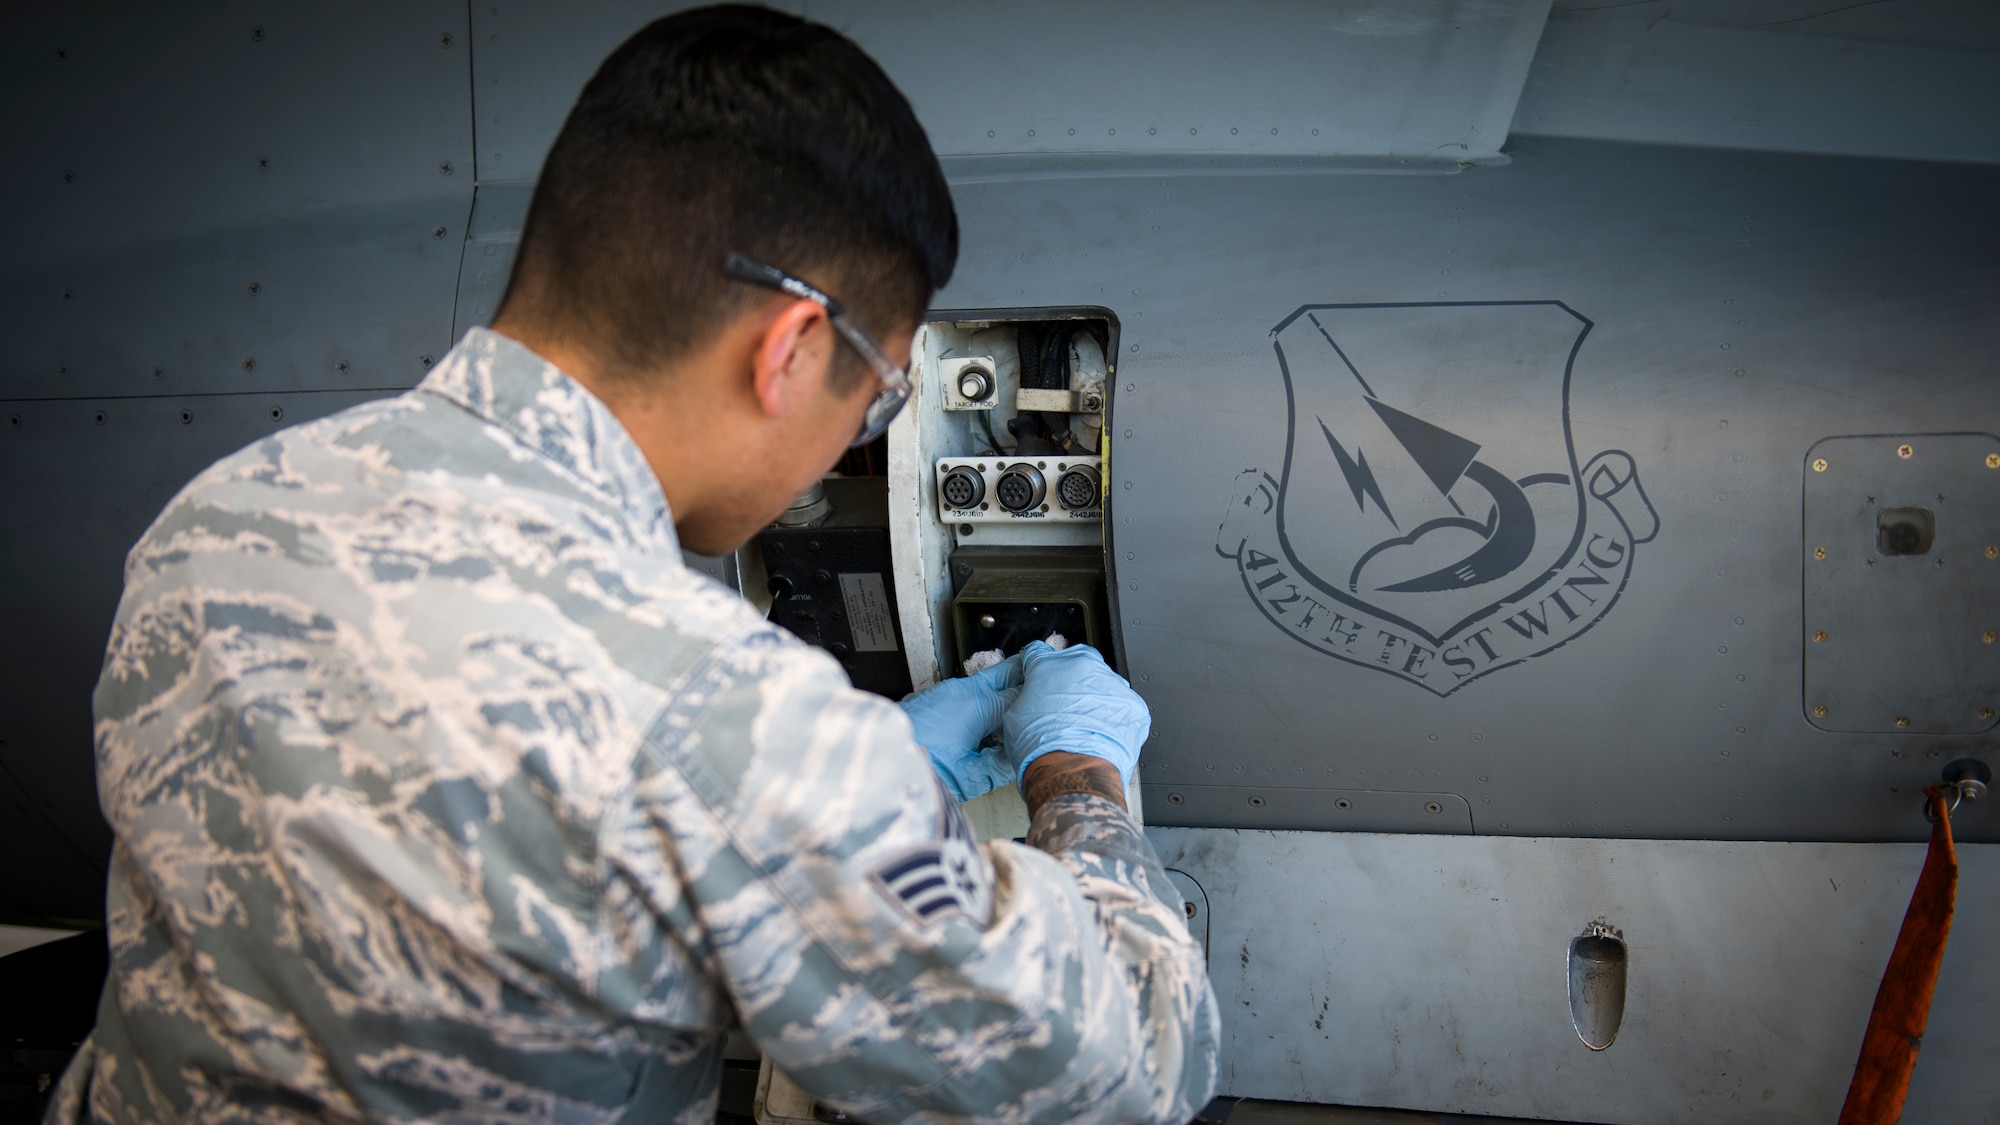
[1022,488]
[1077,489]
[962,489]
[975,383]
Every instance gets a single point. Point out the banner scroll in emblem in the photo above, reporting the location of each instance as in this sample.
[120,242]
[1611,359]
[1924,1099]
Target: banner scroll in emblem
[1453,552]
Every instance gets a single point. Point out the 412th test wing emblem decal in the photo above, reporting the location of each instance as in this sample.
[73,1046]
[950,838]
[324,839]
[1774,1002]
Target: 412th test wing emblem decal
[1430,519]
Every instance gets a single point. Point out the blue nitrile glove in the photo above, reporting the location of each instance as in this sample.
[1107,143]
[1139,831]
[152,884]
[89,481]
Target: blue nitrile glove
[952,718]
[1072,701]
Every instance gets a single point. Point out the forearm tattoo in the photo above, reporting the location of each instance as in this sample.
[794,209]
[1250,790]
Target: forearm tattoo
[1059,774]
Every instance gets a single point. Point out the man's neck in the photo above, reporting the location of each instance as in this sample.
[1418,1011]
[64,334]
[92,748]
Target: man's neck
[645,410]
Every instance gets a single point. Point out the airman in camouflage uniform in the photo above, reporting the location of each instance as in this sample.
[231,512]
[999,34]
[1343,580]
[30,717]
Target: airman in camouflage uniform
[443,790]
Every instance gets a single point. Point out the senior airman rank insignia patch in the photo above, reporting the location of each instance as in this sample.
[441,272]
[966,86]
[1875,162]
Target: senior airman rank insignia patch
[937,879]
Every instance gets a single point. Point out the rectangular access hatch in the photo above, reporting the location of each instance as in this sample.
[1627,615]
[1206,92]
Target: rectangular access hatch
[1902,583]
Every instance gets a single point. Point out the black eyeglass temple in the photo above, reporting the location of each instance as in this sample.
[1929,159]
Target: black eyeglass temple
[742,267]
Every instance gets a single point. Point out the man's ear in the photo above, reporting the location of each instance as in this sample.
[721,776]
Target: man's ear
[791,357]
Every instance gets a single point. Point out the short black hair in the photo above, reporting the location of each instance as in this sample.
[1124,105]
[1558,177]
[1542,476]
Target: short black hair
[729,128]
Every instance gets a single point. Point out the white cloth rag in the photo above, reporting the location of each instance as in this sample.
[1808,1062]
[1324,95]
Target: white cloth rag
[986,658]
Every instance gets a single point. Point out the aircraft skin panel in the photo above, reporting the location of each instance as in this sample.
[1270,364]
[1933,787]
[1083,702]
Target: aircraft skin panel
[232,199]
[212,215]
[1741,307]
[1428,972]
[1671,82]
[492,236]
[325,301]
[1383,78]
[138,122]
[85,478]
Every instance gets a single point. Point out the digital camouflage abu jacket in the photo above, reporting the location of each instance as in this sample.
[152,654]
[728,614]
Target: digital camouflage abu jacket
[443,790]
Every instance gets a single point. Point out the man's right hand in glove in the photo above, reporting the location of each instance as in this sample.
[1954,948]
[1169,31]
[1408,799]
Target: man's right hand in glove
[1076,726]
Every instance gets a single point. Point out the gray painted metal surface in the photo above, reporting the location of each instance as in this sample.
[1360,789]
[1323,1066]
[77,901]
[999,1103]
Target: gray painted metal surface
[1742,307]
[84,477]
[225,212]
[1429,972]
[1643,78]
[498,212]
[232,199]
[1888,645]
[1401,79]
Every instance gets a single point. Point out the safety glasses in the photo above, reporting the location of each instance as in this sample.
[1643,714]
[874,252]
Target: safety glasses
[895,381]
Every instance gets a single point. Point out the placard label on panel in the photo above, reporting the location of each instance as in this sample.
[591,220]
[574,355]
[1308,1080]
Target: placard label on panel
[868,612]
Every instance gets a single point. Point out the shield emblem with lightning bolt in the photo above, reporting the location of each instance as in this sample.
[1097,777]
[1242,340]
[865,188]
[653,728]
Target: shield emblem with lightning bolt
[1430,491]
